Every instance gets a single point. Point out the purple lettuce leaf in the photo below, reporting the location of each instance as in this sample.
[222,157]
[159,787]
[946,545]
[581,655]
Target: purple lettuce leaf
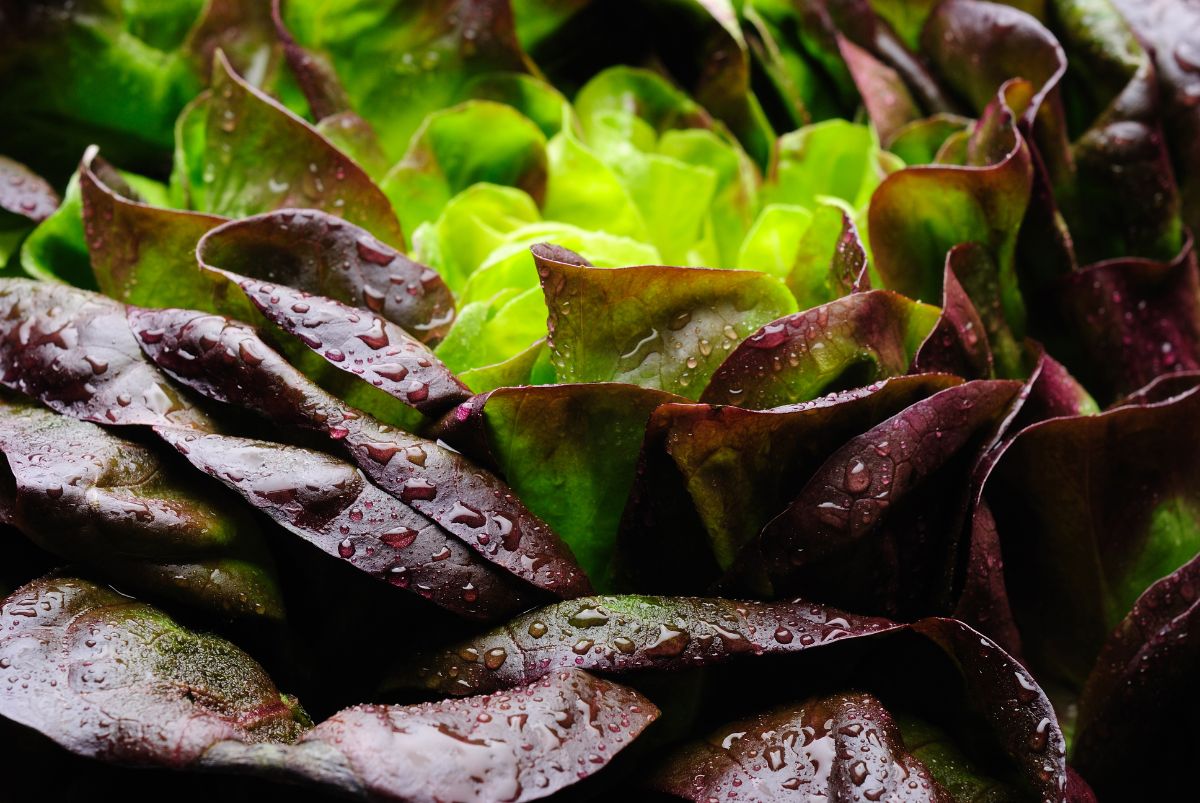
[25,193]
[978,46]
[874,528]
[1171,31]
[981,280]
[837,747]
[602,330]
[886,97]
[521,745]
[847,343]
[1125,201]
[615,634]
[111,678]
[1090,511]
[243,34]
[260,157]
[1048,392]
[1126,321]
[634,634]
[710,478]
[1160,389]
[958,343]
[108,677]
[1145,674]
[858,22]
[359,342]
[73,351]
[80,492]
[227,361]
[315,75]
[320,253]
[327,502]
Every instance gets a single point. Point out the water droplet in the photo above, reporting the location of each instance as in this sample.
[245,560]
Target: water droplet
[494,658]
[774,757]
[417,391]
[249,353]
[1037,739]
[769,337]
[670,642]
[381,452]
[589,617]
[462,514]
[371,250]
[346,548]
[858,478]
[399,538]
[375,337]
[417,488]
[537,629]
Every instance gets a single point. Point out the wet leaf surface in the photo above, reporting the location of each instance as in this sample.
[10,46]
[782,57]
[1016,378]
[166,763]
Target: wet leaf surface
[85,494]
[208,354]
[73,351]
[281,162]
[320,253]
[25,193]
[111,678]
[838,747]
[602,331]
[863,532]
[710,478]
[360,343]
[328,502]
[851,342]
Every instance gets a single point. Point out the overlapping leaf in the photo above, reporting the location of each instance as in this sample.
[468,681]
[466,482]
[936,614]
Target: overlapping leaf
[320,253]
[259,157]
[227,362]
[847,343]
[73,351]
[108,677]
[85,494]
[710,478]
[601,330]
[556,442]
[629,634]
[328,502]
[850,746]
[1108,505]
